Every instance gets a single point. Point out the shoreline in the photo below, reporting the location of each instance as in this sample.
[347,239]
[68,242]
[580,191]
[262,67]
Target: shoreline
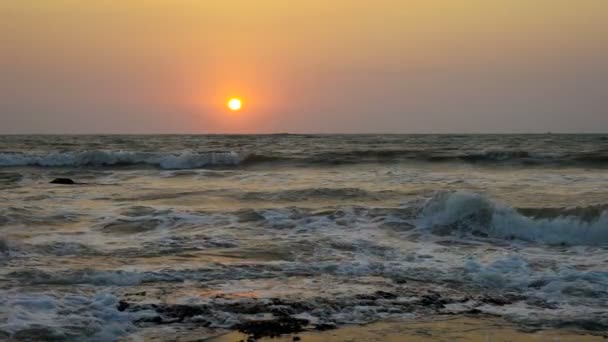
[426,330]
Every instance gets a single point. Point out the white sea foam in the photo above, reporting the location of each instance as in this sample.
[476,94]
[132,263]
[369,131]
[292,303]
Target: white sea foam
[464,212]
[515,273]
[69,317]
[98,158]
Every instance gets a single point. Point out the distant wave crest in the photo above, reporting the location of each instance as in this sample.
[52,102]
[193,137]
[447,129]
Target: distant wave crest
[192,159]
[100,158]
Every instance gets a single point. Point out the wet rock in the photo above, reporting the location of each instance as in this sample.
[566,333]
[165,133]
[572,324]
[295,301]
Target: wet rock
[325,326]
[479,234]
[296,338]
[495,300]
[64,181]
[433,300]
[472,312]
[501,300]
[154,319]
[181,312]
[122,306]
[272,328]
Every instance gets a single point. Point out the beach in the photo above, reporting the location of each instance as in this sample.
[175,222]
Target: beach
[457,329]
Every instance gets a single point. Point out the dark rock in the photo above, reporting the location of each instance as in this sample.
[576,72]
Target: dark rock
[180,312]
[505,299]
[122,306]
[479,233]
[325,326]
[282,311]
[473,312]
[433,300]
[296,338]
[495,300]
[65,181]
[272,328]
[155,319]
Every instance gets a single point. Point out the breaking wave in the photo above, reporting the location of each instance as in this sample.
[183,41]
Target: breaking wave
[101,158]
[191,160]
[463,212]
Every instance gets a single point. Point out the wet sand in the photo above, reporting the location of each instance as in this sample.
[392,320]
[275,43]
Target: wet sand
[457,329]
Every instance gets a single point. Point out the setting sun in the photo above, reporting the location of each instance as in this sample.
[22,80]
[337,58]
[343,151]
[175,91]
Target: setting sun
[235,104]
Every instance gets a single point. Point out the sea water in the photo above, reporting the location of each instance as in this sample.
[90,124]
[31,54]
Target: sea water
[211,231]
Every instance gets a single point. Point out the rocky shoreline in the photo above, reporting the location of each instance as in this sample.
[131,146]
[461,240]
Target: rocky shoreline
[268,318]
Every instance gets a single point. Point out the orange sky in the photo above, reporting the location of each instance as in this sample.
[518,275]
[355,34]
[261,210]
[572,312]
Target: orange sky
[139,66]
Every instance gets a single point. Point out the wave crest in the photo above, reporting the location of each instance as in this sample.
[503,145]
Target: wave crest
[101,158]
[463,212]
[193,159]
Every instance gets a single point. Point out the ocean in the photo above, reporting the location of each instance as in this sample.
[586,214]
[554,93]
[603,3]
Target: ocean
[170,236]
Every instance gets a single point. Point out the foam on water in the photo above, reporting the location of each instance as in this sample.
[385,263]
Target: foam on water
[464,212]
[31,316]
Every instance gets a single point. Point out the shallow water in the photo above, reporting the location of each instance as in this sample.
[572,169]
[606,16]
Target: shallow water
[243,227]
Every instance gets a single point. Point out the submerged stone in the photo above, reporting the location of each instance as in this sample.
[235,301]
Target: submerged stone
[65,181]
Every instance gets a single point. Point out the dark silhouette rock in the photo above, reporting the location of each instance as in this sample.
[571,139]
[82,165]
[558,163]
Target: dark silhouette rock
[272,328]
[325,326]
[122,306]
[65,181]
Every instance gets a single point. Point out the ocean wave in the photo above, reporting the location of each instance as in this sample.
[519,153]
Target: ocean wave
[101,158]
[463,212]
[178,160]
[488,156]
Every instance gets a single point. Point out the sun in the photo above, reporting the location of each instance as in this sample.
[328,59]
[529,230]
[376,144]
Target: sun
[235,104]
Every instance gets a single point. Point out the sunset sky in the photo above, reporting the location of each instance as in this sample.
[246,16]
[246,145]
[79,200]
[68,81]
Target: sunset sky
[343,66]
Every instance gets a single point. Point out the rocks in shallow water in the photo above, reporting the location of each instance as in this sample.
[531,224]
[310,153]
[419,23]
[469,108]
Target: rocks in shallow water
[272,328]
[122,306]
[473,312]
[65,181]
[501,300]
[325,326]
[433,300]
